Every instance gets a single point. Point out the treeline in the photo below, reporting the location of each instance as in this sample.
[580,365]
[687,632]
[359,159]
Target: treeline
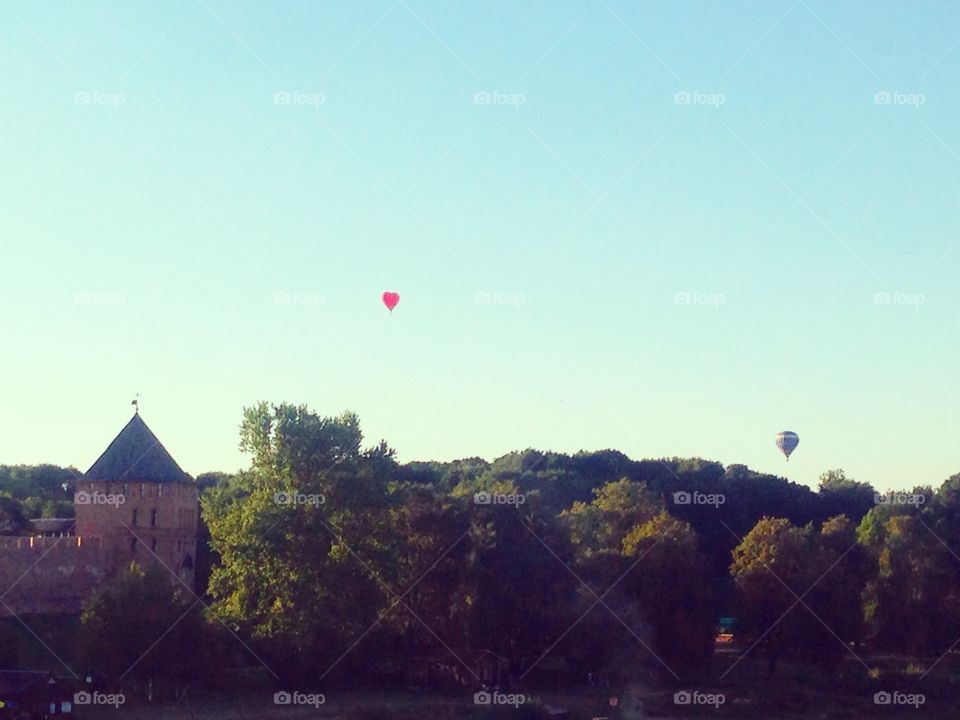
[29,492]
[332,562]
[335,561]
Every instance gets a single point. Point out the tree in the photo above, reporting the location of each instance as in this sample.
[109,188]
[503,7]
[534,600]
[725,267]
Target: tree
[798,589]
[840,495]
[143,626]
[668,577]
[12,519]
[522,590]
[913,604]
[432,543]
[48,482]
[306,561]
[648,569]
[617,508]
[208,480]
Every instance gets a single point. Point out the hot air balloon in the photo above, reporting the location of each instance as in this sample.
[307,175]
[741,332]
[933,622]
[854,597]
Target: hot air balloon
[390,299]
[787,441]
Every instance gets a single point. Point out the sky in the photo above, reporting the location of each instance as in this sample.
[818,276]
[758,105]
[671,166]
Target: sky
[670,228]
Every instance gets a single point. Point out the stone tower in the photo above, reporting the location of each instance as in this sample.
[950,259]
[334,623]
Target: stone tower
[144,506]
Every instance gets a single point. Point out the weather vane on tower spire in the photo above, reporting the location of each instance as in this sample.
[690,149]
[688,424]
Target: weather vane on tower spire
[136,404]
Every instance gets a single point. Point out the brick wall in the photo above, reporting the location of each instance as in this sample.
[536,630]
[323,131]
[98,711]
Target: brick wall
[147,523]
[117,523]
[50,575]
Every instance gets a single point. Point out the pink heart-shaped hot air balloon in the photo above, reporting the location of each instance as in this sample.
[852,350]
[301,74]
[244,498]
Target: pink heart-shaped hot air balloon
[390,299]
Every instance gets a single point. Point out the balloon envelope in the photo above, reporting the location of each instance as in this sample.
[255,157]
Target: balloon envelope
[390,299]
[787,441]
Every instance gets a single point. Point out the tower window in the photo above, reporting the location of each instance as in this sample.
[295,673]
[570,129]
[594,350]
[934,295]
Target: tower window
[153,518]
[153,545]
[136,514]
[133,545]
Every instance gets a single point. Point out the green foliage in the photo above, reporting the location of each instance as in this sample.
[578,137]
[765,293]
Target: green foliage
[209,480]
[913,603]
[13,521]
[521,582]
[375,567]
[35,491]
[668,579]
[603,523]
[142,626]
[47,482]
[840,495]
[799,589]
[305,576]
[648,567]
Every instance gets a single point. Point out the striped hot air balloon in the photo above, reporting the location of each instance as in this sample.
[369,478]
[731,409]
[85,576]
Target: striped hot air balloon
[787,441]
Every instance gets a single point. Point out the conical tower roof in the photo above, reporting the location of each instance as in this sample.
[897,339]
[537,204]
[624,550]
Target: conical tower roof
[136,455]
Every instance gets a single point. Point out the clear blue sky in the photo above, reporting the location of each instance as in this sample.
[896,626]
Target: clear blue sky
[155,197]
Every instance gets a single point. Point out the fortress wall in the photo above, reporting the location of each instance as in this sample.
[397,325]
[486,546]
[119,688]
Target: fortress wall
[51,575]
[143,520]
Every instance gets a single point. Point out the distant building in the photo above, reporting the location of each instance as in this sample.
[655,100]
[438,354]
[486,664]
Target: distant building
[26,694]
[135,504]
[53,527]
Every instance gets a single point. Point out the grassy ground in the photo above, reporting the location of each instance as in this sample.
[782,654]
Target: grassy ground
[783,704]
[797,692]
